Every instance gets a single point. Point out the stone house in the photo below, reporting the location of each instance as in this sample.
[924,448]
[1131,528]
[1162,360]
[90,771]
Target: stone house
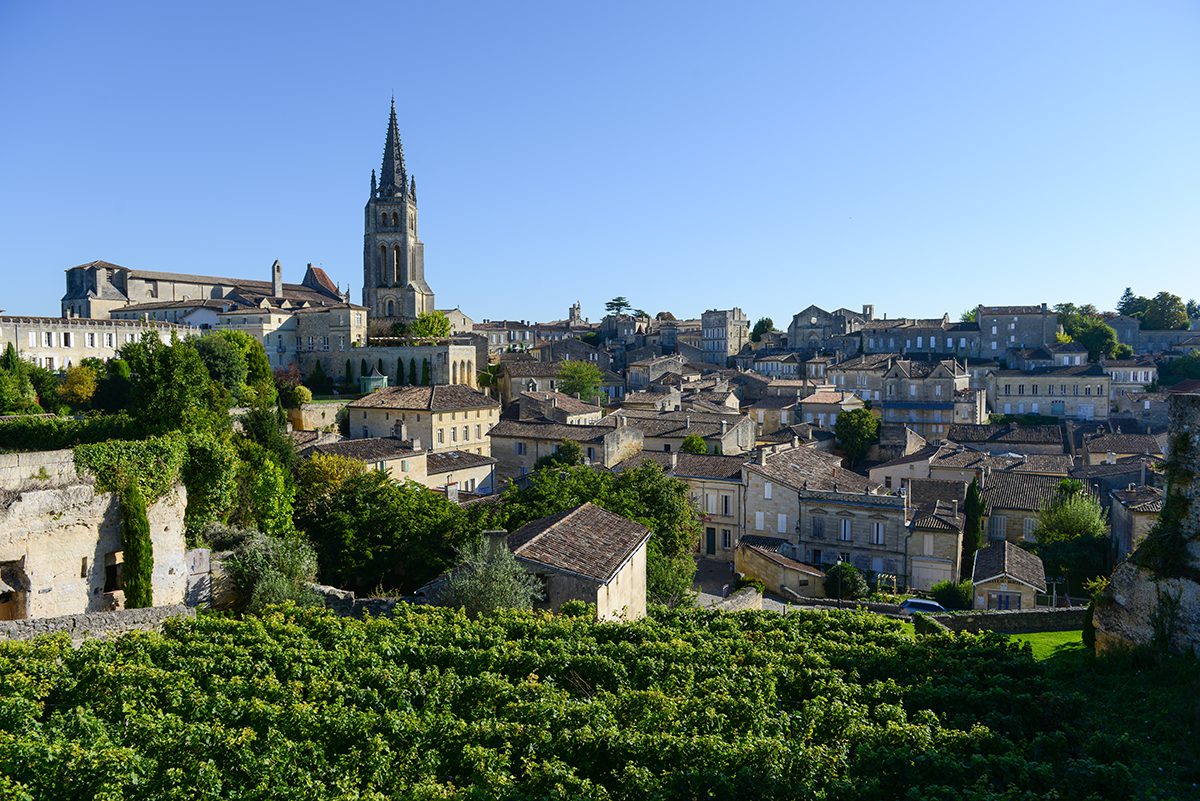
[956,463]
[61,550]
[1109,448]
[57,343]
[724,433]
[862,375]
[518,445]
[570,349]
[774,412]
[640,374]
[828,513]
[782,575]
[1147,410]
[823,407]
[929,396]
[299,335]
[557,407]
[1007,576]
[896,473]
[1133,512]
[1014,501]
[715,486]
[453,472]
[1129,376]
[656,398]
[444,417]
[1077,392]
[936,523]
[587,554]
[520,376]
[723,333]
[815,329]
[507,335]
[1005,327]
[401,459]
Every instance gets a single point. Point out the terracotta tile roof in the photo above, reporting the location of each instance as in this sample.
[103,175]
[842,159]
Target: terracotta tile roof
[370,449]
[557,432]
[587,541]
[1123,443]
[925,454]
[826,396]
[924,492]
[781,560]
[1025,492]
[1010,310]
[567,403]
[689,465]
[445,461]
[439,398]
[531,369]
[966,459]
[806,468]
[1005,434]
[1004,560]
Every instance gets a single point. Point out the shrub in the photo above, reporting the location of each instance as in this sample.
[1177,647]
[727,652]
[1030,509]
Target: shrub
[953,596]
[268,570]
[577,608]
[750,581]
[488,577]
[846,581]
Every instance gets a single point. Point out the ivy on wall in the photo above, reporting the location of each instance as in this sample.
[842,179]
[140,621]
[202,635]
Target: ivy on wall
[137,471]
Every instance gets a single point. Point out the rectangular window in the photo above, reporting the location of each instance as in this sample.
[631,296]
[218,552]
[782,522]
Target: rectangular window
[844,529]
[726,503]
[726,539]
[49,339]
[927,544]
[1030,525]
[818,528]
[781,524]
[710,503]
[997,527]
[877,533]
[758,521]
[767,490]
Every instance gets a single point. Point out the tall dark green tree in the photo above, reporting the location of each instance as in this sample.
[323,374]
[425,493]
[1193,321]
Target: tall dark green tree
[412,371]
[764,325]
[857,430]
[973,511]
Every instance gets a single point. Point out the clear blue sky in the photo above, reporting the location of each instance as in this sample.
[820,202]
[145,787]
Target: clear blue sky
[919,156]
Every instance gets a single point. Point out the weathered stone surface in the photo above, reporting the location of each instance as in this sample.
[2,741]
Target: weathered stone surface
[747,598]
[1143,609]
[1151,599]
[1016,621]
[94,624]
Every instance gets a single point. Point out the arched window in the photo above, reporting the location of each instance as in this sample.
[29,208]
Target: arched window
[383,218]
[391,309]
[453,373]
[395,219]
[400,280]
[383,270]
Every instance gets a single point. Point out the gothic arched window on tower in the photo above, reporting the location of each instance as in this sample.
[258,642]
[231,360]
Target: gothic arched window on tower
[398,278]
[383,265]
[391,309]
[395,219]
[383,218]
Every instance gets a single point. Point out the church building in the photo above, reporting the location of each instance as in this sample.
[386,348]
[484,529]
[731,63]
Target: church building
[394,287]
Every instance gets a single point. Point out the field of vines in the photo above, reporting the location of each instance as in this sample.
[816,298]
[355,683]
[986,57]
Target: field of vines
[298,704]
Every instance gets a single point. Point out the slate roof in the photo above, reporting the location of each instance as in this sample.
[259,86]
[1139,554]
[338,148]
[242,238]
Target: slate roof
[1140,499]
[1011,310]
[438,398]
[806,468]
[1005,434]
[1058,370]
[1004,560]
[929,491]
[1025,492]
[868,361]
[586,541]
[445,461]
[370,449]
[941,516]
[925,454]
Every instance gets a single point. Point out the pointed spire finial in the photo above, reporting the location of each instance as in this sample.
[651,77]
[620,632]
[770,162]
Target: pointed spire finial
[393,179]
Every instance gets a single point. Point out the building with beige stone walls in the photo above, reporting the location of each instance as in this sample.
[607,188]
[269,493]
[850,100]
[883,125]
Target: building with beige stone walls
[443,417]
[57,343]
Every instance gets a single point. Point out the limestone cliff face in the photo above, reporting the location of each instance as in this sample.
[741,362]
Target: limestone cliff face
[60,541]
[1153,598]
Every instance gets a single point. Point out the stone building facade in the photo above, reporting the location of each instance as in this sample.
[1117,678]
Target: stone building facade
[724,332]
[442,417]
[1076,393]
[57,343]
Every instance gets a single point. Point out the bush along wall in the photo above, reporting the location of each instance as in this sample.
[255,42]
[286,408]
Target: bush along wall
[139,472]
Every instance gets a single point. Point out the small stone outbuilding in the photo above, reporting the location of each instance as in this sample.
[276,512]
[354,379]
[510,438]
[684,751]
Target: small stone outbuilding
[1007,576]
[587,554]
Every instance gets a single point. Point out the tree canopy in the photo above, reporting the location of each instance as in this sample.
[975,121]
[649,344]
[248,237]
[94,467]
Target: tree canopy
[580,378]
[618,305]
[430,325]
[1072,536]
[763,326]
[694,443]
[487,577]
[857,430]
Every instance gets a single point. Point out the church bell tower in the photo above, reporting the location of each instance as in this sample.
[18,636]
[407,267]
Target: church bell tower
[394,287]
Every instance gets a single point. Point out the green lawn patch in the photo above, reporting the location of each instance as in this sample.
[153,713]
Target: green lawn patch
[1047,644]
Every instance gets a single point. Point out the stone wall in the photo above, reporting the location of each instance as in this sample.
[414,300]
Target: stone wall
[34,468]
[316,416]
[745,599]
[94,624]
[1016,621]
[892,610]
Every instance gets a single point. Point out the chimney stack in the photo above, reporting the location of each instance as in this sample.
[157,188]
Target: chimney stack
[674,459]
[724,426]
[495,538]
[277,279]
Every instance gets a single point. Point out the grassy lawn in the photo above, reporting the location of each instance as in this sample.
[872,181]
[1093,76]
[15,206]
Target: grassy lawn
[1052,643]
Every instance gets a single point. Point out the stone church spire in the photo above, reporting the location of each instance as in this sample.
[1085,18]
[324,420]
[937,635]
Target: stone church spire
[393,179]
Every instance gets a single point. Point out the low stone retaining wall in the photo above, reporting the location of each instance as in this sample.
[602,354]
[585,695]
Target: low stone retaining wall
[94,624]
[1016,621]
[747,598]
[832,603]
[38,469]
[344,603]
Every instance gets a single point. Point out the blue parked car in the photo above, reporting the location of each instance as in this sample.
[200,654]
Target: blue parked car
[911,605]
